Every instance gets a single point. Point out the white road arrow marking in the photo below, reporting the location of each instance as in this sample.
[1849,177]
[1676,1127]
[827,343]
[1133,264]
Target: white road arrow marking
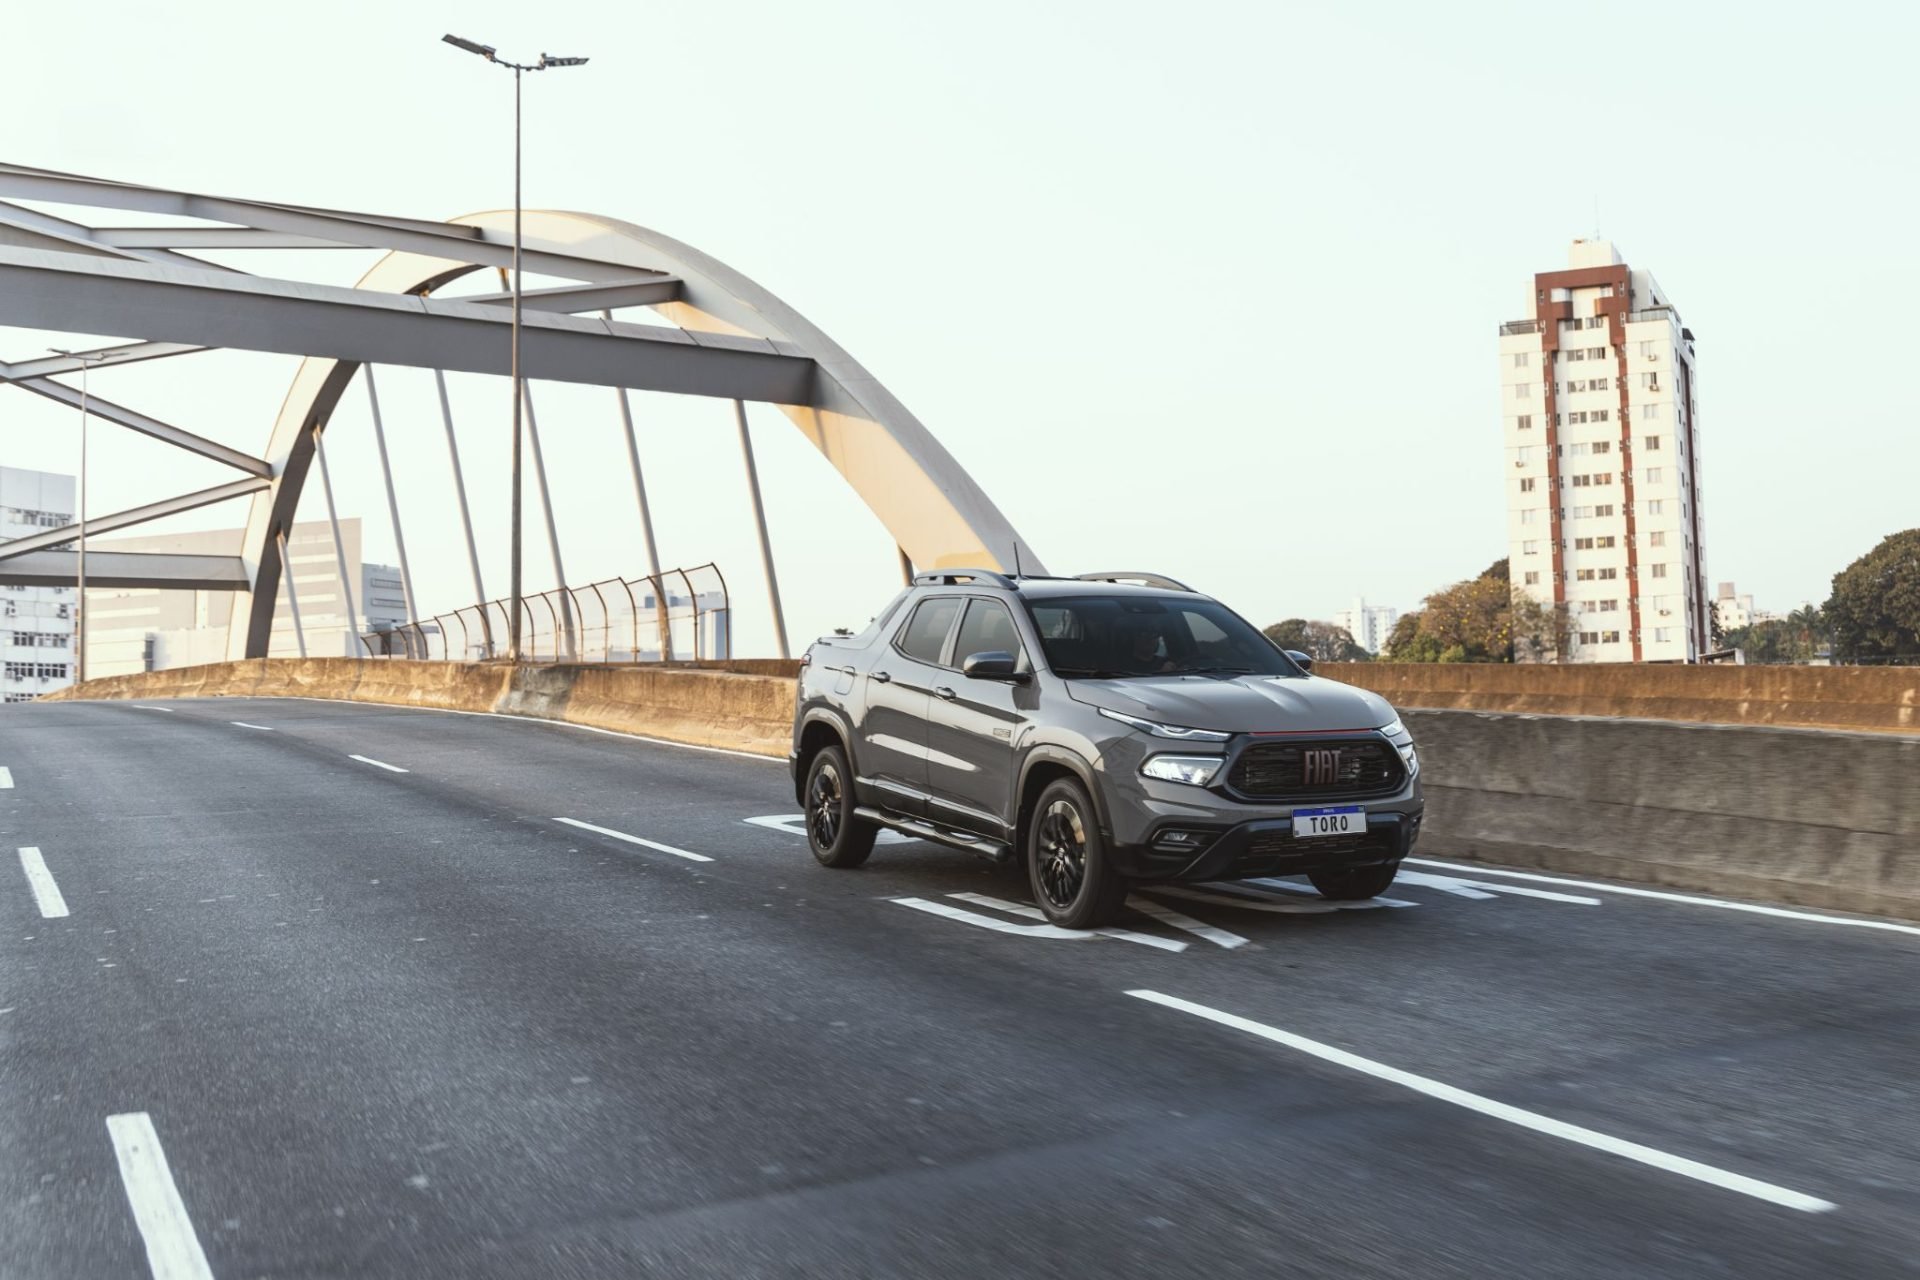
[1168,916]
[1254,900]
[1487,889]
[1035,913]
[795,824]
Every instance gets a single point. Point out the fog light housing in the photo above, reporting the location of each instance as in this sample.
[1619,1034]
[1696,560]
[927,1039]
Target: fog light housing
[1181,840]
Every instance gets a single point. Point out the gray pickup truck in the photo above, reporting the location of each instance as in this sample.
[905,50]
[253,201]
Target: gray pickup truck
[1109,730]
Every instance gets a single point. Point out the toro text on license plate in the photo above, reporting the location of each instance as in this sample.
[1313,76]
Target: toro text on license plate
[1343,820]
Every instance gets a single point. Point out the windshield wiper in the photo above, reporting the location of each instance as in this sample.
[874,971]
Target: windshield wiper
[1088,673]
[1212,671]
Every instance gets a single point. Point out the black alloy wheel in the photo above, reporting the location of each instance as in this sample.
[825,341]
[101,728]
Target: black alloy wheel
[837,837]
[1067,864]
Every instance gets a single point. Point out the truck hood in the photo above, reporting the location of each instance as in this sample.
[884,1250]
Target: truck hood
[1244,704]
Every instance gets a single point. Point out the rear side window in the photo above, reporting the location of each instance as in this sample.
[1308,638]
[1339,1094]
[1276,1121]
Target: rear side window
[988,628]
[925,634]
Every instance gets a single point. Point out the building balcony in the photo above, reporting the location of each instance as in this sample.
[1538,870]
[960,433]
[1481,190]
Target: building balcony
[1514,327]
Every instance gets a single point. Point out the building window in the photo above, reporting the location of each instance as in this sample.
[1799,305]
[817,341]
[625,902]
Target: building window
[1596,353]
[1649,411]
[1526,484]
[1589,637]
[1524,422]
[1606,574]
[1522,390]
[1662,635]
[1606,606]
[1654,474]
[1658,538]
[1601,415]
[1604,541]
[1599,384]
[1523,455]
[1520,359]
[1583,544]
[1530,515]
[1582,513]
[1603,446]
[1530,548]
[1604,509]
[1581,482]
[1652,442]
[1659,571]
[1577,450]
[1650,380]
[1646,349]
[1573,355]
[1609,637]
[1532,578]
[1656,507]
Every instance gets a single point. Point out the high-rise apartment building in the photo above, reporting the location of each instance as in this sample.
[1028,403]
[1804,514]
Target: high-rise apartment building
[1368,624]
[1598,401]
[36,623]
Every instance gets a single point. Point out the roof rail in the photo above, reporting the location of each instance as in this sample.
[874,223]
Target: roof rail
[1160,580]
[952,577]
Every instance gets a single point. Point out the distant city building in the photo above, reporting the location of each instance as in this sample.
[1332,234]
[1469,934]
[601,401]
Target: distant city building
[36,623]
[1369,625]
[1734,611]
[1598,404]
[150,630]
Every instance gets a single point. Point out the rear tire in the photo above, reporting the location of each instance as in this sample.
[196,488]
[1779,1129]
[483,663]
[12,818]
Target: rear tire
[1068,869]
[838,838]
[1352,884]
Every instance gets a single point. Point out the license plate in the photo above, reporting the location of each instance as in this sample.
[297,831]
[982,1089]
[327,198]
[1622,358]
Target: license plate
[1343,820]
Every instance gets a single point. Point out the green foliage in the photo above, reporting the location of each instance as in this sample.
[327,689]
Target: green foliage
[1874,612]
[1480,620]
[1321,641]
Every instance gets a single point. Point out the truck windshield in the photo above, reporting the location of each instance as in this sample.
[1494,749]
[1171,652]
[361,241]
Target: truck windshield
[1111,637]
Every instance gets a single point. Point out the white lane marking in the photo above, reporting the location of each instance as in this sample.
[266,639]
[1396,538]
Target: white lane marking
[46,894]
[1168,916]
[379,764]
[142,707]
[6,778]
[1035,913]
[794,824]
[173,1250]
[1502,1111]
[1481,889]
[1240,889]
[1691,900]
[650,844]
[244,725]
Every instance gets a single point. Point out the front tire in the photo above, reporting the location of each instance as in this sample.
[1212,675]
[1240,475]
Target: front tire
[838,838]
[1353,884]
[1072,877]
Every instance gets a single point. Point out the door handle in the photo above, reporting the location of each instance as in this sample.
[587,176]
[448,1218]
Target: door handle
[880,677]
[941,691]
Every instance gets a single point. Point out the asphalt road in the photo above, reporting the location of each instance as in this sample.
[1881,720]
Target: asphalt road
[350,1021]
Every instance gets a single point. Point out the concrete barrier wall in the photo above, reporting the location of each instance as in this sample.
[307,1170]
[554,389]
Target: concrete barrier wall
[1823,819]
[1819,818]
[1865,698]
[740,711]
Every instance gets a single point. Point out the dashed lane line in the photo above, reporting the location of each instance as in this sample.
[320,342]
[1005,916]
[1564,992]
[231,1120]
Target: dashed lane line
[1599,886]
[46,893]
[6,778]
[639,840]
[141,706]
[244,725]
[173,1250]
[1767,1191]
[379,764]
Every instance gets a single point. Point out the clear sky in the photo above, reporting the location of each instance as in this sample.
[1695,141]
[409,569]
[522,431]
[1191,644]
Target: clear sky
[1206,288]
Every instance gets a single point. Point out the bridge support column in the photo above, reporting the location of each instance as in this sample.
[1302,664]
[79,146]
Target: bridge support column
[293,596]
[339,545]
[566,648]
[760,521]
[466,516]
[393,503]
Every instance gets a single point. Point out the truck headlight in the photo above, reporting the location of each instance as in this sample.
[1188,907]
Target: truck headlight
[1197,771]
[1410,756]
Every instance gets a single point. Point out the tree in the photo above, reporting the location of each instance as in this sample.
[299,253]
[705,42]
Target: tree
[1874,611]
[1482,619]
[1321,641]
[1770,640]
[1540,632]
[1809,628]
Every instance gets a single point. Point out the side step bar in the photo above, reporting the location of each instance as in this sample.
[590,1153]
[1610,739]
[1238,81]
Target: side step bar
[998,852]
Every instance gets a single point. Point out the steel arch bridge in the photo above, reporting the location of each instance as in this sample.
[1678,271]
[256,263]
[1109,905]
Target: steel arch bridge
[730,338]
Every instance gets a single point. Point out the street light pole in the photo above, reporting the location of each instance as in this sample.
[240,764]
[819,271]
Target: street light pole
[87,360]
[514,595]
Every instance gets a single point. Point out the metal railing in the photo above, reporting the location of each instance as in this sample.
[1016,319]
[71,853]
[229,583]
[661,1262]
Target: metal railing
[682,614]
[1513,327]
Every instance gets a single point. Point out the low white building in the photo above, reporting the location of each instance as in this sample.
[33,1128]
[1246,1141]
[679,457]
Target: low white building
[36,623]
[1734,611]
[1369,625]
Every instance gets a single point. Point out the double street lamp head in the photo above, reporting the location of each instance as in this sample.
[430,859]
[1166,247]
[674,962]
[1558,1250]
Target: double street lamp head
[491,54]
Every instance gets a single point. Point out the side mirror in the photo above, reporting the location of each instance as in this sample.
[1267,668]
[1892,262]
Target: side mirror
[994,664]
[1306,663]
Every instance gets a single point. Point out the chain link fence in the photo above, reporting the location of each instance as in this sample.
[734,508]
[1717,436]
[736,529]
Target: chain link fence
[682,615]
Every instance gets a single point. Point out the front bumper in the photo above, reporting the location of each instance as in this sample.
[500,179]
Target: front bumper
[1267,847]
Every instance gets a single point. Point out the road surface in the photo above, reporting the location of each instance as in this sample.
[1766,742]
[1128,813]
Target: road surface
[295,988]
